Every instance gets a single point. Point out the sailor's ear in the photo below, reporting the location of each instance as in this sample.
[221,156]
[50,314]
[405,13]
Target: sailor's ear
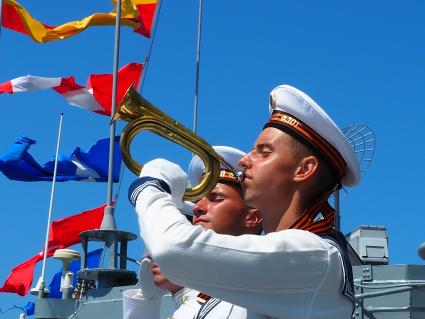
[253,218]
[306,168]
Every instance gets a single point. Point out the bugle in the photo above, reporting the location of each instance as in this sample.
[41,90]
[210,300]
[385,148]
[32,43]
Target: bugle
[142,115]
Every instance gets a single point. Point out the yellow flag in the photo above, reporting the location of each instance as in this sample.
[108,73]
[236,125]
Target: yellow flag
[137,14]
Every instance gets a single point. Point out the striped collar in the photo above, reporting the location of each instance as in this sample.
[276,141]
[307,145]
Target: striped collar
[318,219]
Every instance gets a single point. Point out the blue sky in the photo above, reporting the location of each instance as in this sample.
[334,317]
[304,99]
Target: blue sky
[362,61]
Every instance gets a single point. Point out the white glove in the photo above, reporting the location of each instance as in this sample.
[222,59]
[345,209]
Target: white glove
[135,306]
[163,175]
[147,285]
[187,208]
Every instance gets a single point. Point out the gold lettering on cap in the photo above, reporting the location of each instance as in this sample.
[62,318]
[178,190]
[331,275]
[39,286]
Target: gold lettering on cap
[290,120]
[224,173]
[285,118]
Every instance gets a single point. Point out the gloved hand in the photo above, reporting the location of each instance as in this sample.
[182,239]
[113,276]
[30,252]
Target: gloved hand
[165,176]
[147,285]
[187,208]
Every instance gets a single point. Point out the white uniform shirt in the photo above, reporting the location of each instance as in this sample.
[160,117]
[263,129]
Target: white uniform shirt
[188,306]
[290,274]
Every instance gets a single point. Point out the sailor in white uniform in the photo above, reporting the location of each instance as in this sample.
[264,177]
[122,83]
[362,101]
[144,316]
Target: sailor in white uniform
[223,211]
[299,269]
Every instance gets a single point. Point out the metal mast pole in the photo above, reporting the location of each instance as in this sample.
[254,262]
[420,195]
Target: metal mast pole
[108,221]
[198,58]
[49,218]
[1,15]
[337,210]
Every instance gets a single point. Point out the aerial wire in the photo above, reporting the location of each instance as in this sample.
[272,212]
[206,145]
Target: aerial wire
[198,59]
[148,56]
[142,82]
[49,218]
[337,210]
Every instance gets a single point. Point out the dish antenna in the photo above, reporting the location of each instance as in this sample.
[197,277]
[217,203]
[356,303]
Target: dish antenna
[421,251]
[362,141]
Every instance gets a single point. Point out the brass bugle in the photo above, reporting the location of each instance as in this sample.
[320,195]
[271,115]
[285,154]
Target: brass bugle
[141,115]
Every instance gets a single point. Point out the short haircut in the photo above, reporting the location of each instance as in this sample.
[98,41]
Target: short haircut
[327,178]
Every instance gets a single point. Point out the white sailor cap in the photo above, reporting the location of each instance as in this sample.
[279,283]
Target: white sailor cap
[230,154]
[296,113]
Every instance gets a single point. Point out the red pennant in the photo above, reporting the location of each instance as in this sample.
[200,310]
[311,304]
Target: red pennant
[63,233]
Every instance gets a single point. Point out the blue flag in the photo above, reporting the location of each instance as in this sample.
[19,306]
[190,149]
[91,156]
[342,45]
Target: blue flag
[93,259]
[17,164]
[28,309]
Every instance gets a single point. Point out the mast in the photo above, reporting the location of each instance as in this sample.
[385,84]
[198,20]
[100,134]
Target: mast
[115,240]
[198,58]
[108,221]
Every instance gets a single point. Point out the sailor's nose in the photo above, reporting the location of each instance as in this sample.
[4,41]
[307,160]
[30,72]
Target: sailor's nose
[200,207]
[245,161]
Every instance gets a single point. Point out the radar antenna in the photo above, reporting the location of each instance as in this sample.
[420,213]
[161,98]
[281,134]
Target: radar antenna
[362,141]
[421,250]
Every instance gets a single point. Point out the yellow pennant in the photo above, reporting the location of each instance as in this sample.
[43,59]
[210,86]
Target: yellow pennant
[137,14]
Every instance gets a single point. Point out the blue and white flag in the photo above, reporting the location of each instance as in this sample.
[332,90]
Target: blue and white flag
[28,309]
[17,164]
[93,260]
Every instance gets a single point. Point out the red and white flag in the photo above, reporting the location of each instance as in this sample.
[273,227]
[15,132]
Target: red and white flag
[96,96]
[63,233]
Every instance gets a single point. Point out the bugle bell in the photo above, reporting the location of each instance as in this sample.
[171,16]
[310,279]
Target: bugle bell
[141,115]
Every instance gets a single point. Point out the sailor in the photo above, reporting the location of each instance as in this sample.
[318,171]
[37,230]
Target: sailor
[223,211]
[299,268]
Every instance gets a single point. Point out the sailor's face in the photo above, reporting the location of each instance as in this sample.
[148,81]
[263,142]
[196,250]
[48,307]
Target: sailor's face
[161,281]
[223,210]
[269,169]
